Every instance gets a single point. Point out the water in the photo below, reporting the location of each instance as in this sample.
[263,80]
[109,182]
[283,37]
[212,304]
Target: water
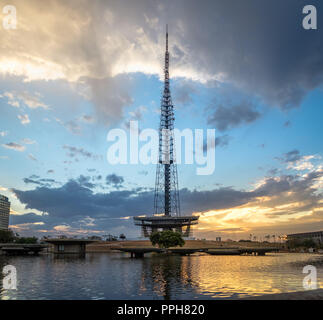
[116,276]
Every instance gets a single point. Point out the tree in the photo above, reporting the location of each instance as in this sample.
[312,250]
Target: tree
[274,237]
[6,236]
[122,236]
[27,240]
[166,239]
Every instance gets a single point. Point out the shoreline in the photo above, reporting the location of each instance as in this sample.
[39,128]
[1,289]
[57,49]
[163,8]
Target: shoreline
[104,246]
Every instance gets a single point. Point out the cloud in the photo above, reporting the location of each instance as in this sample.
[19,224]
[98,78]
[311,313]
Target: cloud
[220,141]
[31,157]
[115,180]
[296,161]
[229,42]
[24,119]
[290,156]
[87,118]
[71,126]
[28,141]
[44,182]
[275,200]
[14,146]
[110,96]
[3,133]
[74,151]
[84,181]
[225,118]
[18,99]
[183,92]
[137,113]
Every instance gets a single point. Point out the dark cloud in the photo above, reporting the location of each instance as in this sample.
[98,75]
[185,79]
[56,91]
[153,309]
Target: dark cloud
[220,141]
[225,118]
[183,92]
[290,156]
[14,146]
[74,201]
[34,179]
[110,96]
[258,46]
[85,182]
[273,171]
[115,180]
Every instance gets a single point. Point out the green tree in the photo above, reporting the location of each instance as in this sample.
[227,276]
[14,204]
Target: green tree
[26,240]
[6,236]
[122,236]
[166,239]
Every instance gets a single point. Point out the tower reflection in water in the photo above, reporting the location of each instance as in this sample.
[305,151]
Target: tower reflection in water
[167,276]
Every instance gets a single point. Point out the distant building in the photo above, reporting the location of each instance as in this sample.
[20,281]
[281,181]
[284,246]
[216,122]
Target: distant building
[316,236]
[218,239]
[4,212]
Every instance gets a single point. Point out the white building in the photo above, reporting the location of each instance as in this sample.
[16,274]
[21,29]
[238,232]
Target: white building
[4,212]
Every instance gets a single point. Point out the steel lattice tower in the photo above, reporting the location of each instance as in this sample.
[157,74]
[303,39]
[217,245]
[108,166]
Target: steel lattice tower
[166,200]
[167,214]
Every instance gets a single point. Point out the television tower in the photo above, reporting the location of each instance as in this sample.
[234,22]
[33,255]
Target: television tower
[167,214]
[166,200]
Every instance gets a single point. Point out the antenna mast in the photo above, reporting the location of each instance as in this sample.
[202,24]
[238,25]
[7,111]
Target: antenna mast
[166,200]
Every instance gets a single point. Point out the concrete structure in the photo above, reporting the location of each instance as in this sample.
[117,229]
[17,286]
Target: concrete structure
[316,236]
[167,215]
[182,224]
[69,246]
[4,212]
[21,249]
[139,252]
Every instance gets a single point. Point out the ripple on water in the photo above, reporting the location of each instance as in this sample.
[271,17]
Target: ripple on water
[100,276]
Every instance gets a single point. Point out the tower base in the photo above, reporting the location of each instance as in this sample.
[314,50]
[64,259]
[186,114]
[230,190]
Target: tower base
[182,224]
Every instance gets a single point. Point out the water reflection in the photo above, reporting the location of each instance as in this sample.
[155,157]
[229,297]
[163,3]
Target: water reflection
[116,276]
[164,274]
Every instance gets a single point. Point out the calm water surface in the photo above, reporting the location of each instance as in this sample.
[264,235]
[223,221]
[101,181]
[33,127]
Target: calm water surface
[116,276]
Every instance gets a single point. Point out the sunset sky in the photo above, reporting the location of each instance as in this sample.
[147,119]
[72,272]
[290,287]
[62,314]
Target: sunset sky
[73,70]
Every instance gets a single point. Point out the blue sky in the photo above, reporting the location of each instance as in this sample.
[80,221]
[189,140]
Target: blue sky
[63,88]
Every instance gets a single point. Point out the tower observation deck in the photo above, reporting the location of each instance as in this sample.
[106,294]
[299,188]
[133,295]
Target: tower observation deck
[167,215]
